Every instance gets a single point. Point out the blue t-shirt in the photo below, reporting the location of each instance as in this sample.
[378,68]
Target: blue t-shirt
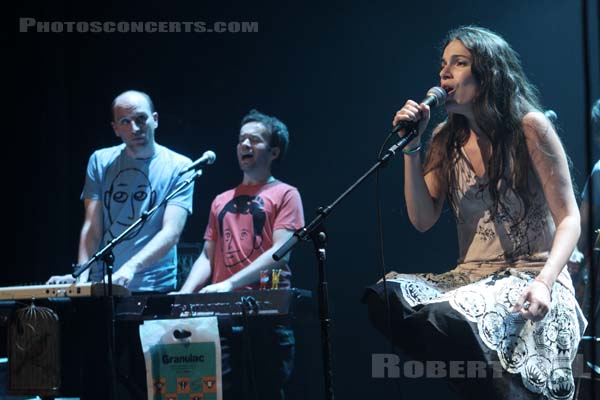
[127,187]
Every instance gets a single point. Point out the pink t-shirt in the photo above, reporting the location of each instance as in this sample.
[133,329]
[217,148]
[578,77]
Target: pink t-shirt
[242,222]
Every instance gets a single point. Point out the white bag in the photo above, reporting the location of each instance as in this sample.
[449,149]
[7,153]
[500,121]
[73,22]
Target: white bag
[183,358]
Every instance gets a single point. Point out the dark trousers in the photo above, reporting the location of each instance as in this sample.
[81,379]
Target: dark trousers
[437,332]
[257,359]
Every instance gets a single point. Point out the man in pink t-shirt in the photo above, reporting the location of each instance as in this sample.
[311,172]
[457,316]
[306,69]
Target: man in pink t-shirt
[246,225]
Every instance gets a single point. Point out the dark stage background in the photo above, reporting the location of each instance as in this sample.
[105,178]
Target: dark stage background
[335,73]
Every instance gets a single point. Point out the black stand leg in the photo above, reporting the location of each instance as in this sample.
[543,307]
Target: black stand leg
[316,231]
[109,304]
[319,238]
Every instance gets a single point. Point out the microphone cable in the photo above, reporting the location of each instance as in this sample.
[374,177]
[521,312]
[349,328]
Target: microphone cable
[248,361]
[381,239]
[383,269]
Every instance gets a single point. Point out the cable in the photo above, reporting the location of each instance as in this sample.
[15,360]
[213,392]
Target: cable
[380,232]
[248,359]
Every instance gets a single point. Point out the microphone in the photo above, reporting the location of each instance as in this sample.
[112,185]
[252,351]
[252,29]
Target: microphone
[208,158]
[551,115]
[436,96]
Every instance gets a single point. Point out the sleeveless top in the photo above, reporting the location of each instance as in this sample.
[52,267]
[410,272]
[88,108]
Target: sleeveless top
[512,237]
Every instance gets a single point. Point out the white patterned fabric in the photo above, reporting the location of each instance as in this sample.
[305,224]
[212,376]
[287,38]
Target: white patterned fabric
[540,352]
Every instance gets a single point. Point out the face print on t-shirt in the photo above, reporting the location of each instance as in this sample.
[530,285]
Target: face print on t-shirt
[129,195]
[241,224]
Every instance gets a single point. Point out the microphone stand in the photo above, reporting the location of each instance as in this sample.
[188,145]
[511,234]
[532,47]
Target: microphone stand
[315,231]
[107,256]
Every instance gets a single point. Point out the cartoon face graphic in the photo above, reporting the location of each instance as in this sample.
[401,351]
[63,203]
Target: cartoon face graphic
[471,303]
[512,293]
[418,292]
[241,224]
[183,385]
[561,383]
[129,195]
[159,385]
[513,352]
[209,384]
[493,328]
[537,370]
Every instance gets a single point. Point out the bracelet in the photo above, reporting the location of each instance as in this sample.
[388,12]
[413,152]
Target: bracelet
[538,279]
[412,151]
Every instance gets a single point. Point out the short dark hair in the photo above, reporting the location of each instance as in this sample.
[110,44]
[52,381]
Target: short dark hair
[279,135]
[143,94]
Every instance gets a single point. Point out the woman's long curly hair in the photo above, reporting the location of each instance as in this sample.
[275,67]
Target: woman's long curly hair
[504,97]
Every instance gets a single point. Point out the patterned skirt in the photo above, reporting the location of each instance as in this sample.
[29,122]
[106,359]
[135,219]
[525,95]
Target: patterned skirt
[456,317]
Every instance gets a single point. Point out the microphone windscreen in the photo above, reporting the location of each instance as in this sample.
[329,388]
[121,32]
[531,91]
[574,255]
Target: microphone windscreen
[438,94]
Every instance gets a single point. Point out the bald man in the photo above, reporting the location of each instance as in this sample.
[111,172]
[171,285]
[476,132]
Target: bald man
[121,183]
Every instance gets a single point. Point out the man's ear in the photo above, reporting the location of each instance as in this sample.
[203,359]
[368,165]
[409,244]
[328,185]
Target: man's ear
[275,152]
[155,118]
[114,127]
